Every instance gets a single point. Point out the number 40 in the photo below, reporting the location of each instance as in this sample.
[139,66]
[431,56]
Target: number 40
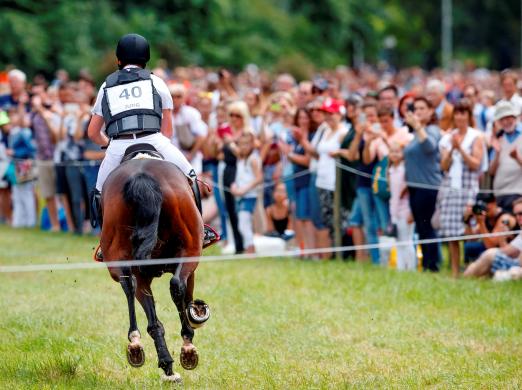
[135,92]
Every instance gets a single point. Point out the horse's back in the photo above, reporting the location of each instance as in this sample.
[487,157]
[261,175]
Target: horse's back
[166,173]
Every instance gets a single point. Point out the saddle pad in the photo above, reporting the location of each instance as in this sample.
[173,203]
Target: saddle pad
[142,149]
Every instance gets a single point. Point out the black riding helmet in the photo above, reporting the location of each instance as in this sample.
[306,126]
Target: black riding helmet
[133,49]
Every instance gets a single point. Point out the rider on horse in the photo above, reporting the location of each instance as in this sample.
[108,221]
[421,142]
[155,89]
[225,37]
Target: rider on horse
[136,107]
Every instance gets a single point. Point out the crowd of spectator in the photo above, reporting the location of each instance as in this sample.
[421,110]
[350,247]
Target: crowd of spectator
[412,154]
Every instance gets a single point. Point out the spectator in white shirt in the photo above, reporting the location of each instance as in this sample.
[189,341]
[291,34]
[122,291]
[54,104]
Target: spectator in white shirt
[508,84]
[189,129]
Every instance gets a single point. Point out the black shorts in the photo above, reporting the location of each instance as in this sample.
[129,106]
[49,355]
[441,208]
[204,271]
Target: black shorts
[62,187]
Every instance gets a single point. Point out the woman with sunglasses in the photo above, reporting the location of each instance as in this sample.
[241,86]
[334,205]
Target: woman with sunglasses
[238,122]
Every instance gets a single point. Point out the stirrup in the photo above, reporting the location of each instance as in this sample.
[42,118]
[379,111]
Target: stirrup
[210,237]
[98,255]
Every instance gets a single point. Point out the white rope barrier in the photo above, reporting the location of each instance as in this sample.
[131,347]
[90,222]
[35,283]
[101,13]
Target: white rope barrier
[428,186]
[207,259]
[357,172]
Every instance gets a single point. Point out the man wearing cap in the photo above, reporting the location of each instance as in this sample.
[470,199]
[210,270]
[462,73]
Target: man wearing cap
[506,155]
[325,180]
[320,87]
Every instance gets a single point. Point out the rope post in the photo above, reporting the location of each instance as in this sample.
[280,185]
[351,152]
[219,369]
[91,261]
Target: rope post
[337,210]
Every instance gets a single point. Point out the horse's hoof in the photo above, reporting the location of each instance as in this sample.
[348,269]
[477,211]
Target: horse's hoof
[188,357]
[174,378]
[198,313]
[135,355]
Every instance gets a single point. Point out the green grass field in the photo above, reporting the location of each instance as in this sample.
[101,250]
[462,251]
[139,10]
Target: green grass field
[276,323]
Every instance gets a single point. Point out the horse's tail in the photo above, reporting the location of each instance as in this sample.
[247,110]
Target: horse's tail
[143,193]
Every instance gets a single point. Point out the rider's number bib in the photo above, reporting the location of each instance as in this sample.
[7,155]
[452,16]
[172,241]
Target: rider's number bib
[131,96]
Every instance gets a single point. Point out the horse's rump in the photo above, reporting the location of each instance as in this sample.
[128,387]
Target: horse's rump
[154,201]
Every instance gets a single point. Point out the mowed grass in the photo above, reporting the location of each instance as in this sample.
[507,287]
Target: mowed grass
[276,323]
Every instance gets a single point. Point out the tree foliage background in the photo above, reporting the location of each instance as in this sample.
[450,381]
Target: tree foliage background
[294,35]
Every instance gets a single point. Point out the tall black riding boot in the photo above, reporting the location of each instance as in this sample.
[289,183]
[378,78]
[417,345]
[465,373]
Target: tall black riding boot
[96,211]
[96,218]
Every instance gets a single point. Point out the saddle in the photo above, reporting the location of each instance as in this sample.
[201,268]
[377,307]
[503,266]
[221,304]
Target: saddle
[134,150]
[150,151]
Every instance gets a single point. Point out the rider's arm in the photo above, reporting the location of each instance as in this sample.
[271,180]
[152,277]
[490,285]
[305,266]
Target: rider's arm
[94,131]
[166,123]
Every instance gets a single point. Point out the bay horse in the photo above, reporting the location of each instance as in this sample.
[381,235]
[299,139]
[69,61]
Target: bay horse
[149,211]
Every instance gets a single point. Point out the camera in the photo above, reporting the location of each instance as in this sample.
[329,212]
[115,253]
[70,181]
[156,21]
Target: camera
[410,107]
[479,207]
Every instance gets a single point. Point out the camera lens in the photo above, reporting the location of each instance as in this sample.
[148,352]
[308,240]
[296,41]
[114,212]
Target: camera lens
[479,207]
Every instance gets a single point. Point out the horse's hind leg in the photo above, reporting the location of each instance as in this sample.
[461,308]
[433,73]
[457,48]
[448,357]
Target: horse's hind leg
[135,354]
[179,294]
[155,328]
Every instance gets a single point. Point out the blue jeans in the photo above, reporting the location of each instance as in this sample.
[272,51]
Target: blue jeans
[302,203]
[356,219]
[75,183]
[90,174]
[382,207]
[268,178]
[369,216]
[246,204]
[213,169]
[315,207]
[288,170]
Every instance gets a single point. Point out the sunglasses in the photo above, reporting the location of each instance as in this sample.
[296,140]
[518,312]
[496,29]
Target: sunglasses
[519,214]
[234,115]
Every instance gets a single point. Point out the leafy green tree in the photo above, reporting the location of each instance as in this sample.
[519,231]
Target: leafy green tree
[292,35]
